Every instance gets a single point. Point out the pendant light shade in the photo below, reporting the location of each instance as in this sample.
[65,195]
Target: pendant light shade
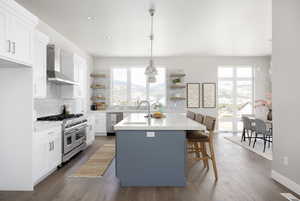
[151,71]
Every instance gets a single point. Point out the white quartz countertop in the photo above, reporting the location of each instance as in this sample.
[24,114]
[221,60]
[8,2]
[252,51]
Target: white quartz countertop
[172,121]
[40,126]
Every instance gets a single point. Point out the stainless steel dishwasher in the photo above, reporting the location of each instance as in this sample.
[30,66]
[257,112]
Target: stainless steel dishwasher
[112,118]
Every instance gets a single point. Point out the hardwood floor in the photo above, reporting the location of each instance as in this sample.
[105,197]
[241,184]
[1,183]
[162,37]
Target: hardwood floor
[243,176]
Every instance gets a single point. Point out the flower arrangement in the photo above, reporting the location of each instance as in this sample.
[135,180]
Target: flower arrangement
[267,104]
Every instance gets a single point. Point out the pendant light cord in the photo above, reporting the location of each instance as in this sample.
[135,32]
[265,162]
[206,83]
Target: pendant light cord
[151,36]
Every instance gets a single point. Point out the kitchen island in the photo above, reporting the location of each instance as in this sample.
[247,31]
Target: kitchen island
[152,152]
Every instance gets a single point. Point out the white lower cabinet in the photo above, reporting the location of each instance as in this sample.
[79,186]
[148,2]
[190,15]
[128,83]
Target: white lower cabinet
[100,124]
[47,152]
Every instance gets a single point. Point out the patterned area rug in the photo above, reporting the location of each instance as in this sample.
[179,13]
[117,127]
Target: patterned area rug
[258,146]
[98,163]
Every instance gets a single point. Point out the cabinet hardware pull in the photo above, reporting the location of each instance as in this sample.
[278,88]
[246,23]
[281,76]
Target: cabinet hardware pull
[14,47]
[50,146]
[53,144]
[9,46]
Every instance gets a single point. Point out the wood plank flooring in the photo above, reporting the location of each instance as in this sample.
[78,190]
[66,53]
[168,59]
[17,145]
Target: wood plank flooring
[243,176]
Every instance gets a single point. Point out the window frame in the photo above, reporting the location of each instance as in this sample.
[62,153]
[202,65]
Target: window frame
[235,79]
[128,85]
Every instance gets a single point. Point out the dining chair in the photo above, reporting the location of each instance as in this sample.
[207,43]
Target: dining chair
[248,127]
[261,132]
[201,139]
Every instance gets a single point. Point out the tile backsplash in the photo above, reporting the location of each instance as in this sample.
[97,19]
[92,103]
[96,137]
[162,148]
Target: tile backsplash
[52,104]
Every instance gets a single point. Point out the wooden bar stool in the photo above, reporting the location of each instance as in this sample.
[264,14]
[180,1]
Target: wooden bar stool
[200,139]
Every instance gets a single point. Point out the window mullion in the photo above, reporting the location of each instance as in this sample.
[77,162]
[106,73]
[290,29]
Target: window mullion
[128,85]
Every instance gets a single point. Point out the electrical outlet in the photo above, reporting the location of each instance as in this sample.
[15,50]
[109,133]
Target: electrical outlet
[150,134]
[285,160]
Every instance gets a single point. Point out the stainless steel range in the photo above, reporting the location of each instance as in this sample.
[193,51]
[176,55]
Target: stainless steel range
[73,133]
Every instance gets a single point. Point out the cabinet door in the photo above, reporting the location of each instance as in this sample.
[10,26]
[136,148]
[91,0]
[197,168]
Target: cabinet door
[55,153]
[100,123]
[4,42]
[40,66]
[40,153]
[22,38]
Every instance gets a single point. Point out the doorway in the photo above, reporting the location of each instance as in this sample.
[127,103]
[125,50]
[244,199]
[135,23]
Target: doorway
[235,96]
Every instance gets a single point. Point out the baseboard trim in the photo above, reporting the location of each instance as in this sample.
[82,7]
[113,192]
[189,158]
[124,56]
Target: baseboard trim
[293,186]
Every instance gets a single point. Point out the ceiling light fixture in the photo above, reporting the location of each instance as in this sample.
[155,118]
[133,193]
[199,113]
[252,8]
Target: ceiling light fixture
[151,71]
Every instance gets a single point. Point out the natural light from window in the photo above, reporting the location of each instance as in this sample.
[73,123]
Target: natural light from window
[128,86]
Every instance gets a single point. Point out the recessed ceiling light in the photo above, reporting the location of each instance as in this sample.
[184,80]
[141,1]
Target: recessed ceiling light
[90,18]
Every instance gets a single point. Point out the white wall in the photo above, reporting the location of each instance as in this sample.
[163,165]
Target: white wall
[52,104]
[198,69]
[286,93]
[16,128]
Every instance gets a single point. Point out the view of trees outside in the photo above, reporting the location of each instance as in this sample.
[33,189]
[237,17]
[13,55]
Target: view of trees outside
[158,90]
[119,86]
[235,96]
[135,80]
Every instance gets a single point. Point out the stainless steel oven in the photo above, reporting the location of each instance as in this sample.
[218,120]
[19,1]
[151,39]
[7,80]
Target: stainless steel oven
[74,139]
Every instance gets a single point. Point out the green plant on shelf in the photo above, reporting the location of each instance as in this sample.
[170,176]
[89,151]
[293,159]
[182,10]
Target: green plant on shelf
[176,81]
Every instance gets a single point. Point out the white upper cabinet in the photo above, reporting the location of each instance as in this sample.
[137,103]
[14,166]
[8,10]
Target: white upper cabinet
[77,71]
[16,33]
[40,42]
[4,43]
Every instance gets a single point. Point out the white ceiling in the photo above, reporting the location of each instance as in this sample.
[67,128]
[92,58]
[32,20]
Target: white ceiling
[182,27]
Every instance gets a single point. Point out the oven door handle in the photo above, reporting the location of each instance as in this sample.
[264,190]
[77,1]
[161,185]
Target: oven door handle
[82,125]
[75,130]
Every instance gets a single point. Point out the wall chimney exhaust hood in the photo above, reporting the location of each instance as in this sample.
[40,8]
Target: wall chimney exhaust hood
[54,74]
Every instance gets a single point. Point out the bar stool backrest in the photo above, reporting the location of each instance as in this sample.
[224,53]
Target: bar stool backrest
[191,115]
[200,118]
[210,123]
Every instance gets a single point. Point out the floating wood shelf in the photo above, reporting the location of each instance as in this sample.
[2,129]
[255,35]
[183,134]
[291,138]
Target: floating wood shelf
[98,75]
[177,75]
[98,86]
[95,98]
[177,98]
[177,86]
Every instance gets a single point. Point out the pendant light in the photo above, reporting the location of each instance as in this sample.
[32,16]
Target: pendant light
[151,71]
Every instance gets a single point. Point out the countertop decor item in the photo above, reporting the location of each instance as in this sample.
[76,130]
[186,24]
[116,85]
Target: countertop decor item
[151,71]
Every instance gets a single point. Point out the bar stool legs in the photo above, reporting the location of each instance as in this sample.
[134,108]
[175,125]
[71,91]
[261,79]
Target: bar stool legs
[213,159]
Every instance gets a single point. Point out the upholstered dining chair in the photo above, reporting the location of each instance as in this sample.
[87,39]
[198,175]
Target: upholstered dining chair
[200,140]
[261,132]
[248,127]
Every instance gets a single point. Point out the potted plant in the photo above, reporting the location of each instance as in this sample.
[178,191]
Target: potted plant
[176,80]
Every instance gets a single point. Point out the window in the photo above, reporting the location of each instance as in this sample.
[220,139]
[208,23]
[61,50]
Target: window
[235,96]
[129,85]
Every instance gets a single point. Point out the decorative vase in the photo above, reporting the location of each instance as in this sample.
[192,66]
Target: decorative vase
[269,116]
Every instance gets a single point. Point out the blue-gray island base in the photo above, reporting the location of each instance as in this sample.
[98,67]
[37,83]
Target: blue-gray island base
[146,160]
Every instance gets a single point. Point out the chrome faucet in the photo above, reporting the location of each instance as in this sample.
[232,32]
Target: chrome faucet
[148,105]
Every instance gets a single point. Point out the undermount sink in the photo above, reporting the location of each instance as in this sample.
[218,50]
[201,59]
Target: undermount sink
[138,122]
